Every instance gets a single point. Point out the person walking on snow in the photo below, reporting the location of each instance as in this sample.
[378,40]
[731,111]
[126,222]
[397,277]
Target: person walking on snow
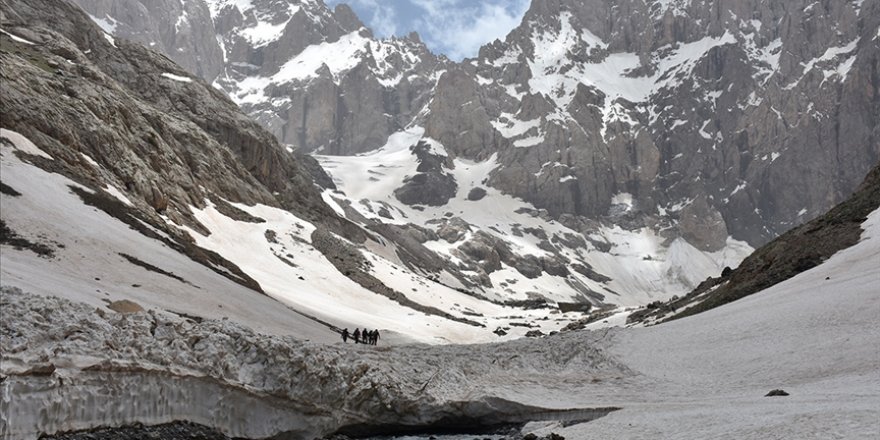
[376,337]
[357,335]
[345,335]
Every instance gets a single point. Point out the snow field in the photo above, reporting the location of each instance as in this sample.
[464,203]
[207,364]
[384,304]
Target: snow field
[323,292]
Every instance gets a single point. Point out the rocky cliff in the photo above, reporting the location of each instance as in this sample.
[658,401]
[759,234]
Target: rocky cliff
[316,78]
[741,118]
[166,137]
[125,178]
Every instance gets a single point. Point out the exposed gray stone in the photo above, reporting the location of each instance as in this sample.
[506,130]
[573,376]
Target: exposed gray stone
[703,226]
[476,194]
[432,185]
[721,131]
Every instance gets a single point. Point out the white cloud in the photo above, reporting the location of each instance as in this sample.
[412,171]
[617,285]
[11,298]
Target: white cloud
[456,28]
[459,27]
[382,20]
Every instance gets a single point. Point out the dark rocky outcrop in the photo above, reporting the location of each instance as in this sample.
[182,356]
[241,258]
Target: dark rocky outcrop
[476,194]
[11,238]
[174,430]
[432,185]
[703,226]
[775,393]
[349,261]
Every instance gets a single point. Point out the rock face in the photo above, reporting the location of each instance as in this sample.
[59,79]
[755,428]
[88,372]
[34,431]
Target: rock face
[183,30]
[431,185]
[703,226]
[762,111]
[168,139]
[684,102]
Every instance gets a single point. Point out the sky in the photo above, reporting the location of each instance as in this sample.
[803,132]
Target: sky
[455,28]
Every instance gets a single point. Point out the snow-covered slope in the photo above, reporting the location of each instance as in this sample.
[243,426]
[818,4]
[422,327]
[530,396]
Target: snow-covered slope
[98,259]
[179,198]
[290,269]
[89,264]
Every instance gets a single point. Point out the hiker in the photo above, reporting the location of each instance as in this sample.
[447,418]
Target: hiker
[376,337]
[357,335]
[368,335]
[372,337]
[345,335]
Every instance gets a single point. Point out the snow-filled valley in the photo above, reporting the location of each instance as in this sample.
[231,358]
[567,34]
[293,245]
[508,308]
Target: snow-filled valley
[307,296]
[585,167]
[815,336]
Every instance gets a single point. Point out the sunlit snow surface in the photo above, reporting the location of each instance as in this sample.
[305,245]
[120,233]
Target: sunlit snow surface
[815,336]
[177,78]
[329,295]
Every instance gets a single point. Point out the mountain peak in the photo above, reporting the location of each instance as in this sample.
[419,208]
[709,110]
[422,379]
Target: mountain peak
[599,125]
[346,17]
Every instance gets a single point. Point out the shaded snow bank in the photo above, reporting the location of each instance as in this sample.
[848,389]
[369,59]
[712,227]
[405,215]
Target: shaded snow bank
[152,367]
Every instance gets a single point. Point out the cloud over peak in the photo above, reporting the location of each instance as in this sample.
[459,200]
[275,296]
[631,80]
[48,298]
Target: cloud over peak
[455,28]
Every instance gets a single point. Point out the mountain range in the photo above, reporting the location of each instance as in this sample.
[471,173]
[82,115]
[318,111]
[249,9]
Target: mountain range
[198,197]
[578,164]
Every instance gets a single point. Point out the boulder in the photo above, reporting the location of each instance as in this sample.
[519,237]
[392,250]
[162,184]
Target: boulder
[534,334]
[775,393]
[476,193]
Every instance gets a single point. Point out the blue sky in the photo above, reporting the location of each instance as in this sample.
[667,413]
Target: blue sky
[456,28]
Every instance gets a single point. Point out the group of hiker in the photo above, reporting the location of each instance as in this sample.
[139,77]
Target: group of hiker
[370,337]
